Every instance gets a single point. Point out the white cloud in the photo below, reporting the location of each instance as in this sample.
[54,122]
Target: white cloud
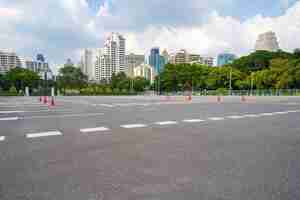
[9,12]
[220,34]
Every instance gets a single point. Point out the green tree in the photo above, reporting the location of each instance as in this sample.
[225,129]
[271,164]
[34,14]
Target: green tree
[71,77]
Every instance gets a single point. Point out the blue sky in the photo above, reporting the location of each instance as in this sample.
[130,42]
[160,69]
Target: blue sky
[60,28]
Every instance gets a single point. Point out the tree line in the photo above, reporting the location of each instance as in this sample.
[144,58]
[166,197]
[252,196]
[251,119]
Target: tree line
[259,70]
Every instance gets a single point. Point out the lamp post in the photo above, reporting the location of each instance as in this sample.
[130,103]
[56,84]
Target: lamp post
[230,81]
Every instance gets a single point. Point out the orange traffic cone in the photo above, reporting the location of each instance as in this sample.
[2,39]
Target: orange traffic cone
[52,102]
[45,99]
[243,99]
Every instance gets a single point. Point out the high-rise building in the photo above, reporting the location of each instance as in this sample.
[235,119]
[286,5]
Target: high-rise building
[144,70]
[209,61]
[8,61]
[194,58]
[180,57]
[132,61]
[166,56]
[40,66]
[40,57]
[88,59]
[111,59]
[154,59]
[225,58]
[267,42]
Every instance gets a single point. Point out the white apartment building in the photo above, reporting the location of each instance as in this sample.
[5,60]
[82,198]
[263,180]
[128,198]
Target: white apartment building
[209,61]
[111,59]
[267,42]
[144,70]
[8,61]
[87,63]
[132,61]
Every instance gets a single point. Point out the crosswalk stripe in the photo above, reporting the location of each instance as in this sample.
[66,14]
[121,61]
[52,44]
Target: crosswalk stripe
[43,134]
[2,138]
[90,130]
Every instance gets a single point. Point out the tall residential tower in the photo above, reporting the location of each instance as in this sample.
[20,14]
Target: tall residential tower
[267,42]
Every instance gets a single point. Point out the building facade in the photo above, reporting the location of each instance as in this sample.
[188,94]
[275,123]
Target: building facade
[209,61]
[87,63]
[111,58]
[180,57]
[39,66]
[146,71]
[225,58]
[154,59]
[132,61]
[166,56]
[267,42]
[8,61]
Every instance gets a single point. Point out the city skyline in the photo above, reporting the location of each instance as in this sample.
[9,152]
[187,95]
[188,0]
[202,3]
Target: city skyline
[61,28]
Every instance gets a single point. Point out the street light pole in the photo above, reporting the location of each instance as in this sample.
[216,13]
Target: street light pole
[230,81]
[251,92]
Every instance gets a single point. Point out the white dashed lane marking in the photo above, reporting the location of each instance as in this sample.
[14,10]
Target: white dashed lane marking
[90,130]
[216,118]
[43,134]
[236,117]
[128,126]
[9,118]
[251,115]
[193,120]
[11,111]
[166,123]
[266,114]
[2,138]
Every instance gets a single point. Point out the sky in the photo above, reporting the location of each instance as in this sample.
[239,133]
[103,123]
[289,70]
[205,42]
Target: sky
[60,28]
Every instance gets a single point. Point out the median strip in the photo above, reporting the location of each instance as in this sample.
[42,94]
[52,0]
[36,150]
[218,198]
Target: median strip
[43,134]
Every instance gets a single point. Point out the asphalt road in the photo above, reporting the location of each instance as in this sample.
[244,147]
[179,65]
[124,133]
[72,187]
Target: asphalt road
[150,148]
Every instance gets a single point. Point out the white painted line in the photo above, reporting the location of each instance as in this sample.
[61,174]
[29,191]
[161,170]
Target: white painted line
[133,126]
[166,123]
[107,105]
[90,130]
[251,115]
[236,117]
[2,138]
[216,118]
[9,118]
[63,116]
[193,120]
[292,111]
[43,134]
[280,113]
[11,111]
[266,114]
